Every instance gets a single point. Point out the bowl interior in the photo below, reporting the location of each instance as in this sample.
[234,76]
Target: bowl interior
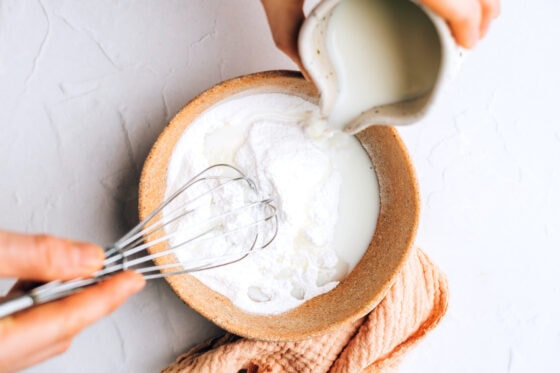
[363,288]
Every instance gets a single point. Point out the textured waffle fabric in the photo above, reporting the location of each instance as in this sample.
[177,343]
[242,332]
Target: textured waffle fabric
[377,342]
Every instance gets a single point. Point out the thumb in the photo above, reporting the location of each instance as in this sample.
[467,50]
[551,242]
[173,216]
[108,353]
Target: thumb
[463,17]
[45,258]
[285,19]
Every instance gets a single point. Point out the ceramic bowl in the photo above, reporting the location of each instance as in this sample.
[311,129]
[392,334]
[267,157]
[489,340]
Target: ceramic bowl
[363,288]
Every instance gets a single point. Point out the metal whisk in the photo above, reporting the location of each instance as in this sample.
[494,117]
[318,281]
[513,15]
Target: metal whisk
[216,218]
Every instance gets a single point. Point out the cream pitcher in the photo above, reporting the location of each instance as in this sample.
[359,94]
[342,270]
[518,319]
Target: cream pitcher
[379,62]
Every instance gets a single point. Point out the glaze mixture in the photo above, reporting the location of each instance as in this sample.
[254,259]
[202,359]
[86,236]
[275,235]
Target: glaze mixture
[322,183]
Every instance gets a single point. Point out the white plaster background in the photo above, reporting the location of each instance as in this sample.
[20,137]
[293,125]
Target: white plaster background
[86,87]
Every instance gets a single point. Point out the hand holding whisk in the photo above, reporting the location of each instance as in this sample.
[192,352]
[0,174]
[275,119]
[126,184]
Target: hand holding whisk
[216,218]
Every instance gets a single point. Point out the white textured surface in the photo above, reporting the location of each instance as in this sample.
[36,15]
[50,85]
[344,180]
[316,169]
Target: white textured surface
[85,87]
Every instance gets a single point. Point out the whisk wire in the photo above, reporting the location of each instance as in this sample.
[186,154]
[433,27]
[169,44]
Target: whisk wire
[139,231]
[227,226]
[201,236]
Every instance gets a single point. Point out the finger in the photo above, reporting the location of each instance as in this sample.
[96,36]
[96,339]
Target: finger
[27,332]
[490,9]
[285,18]
[15,364]
[44,257]
[48,352]
[463,17]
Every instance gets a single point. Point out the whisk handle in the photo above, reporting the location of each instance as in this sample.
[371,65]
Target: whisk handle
[14,304]
[45,293]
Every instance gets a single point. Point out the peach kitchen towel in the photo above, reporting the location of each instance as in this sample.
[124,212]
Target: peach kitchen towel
[376,343]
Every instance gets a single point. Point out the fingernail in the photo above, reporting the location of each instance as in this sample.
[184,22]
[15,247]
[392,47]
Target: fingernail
[136,283]
[90,256]
[471,38]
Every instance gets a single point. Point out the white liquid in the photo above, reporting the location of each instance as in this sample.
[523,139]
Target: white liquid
[383,52]
[322,183]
